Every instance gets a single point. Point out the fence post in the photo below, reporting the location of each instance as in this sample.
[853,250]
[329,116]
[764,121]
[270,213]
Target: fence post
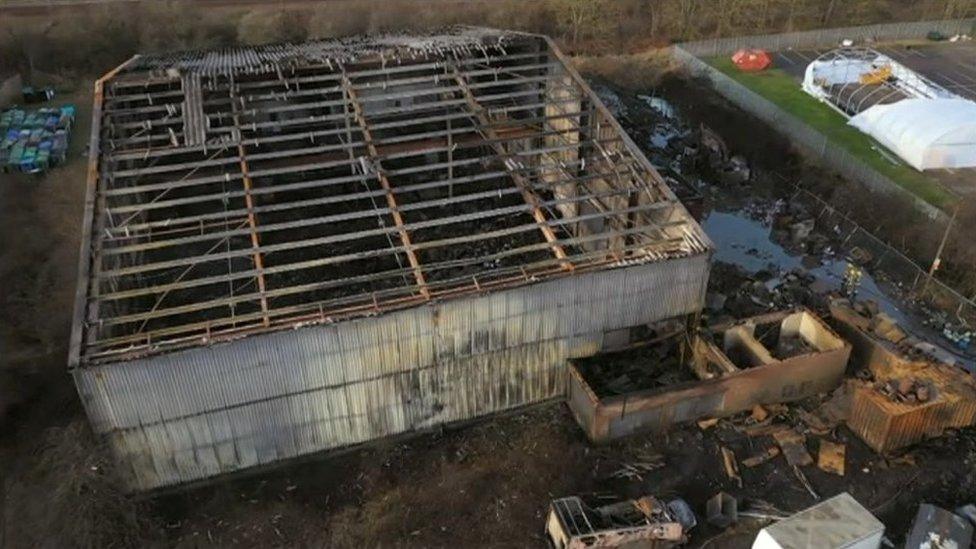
[844,243]
[883,254]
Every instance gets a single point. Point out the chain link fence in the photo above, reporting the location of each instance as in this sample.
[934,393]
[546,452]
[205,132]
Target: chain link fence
[884,261]
[816,39]
[881,259]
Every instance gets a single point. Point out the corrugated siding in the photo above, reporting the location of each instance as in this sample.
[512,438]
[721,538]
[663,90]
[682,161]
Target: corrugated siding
[886,426]
[196,413]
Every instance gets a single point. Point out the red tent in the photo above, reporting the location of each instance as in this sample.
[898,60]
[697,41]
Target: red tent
[752,60]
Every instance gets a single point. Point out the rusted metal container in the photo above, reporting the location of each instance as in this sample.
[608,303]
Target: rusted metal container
[886,425]
[724,387]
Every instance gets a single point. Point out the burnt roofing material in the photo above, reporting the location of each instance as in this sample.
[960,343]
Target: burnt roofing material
[251,189]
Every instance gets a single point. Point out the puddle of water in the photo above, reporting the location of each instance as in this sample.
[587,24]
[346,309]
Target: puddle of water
[745,242]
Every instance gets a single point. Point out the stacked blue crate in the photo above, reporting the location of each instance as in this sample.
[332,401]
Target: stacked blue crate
[33,141]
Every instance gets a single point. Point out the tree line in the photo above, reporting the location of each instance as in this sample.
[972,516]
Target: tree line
[95,38]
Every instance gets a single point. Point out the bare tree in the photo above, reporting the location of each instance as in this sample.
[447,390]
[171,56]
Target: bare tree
[583,17]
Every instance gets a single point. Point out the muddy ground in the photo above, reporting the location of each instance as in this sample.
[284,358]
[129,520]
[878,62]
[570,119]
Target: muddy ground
[485,484]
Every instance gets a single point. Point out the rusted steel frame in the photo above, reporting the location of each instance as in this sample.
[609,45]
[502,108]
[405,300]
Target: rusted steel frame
[386,148]
[595,202]
[284,225]
[495,212]
[550,268]
[599,204]
[159,105]
[281,124]
[350,94]
[184,182]
[251,218]
[142,207]
[142,155]
[367,305]
[306,91]
[216,221]
[658,181]
[224,302]
[248,114]
[343,236]
[144,96]
[320,73]
[312,263]
[398,147]
[209,180]
[317,221]
[162,295]
[328,74]
[530,197]
[191,221]
[88,260]
[604,155]
[315,120]
[308,184]
[364,179]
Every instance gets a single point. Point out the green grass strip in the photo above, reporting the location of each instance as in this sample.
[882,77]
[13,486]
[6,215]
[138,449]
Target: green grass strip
[780,88]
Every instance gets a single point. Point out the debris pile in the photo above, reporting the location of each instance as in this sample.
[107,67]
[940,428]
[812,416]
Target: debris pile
[684,149]
[575,523]
[794,228]
[790,258]
[936,528]
[864,316]
[879,323]
[648,367]
[908,390]
[961,337]
[954,329]
[767,290]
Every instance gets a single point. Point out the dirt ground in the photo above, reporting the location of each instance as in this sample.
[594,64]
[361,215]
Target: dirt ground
[40,222]
[485,484]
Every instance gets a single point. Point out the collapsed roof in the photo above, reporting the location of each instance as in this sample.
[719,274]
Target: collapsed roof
[253,189]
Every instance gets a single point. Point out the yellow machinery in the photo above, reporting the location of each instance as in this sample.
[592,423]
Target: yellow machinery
[877,76]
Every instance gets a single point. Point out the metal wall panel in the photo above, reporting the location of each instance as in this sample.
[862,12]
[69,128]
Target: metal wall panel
[199,412]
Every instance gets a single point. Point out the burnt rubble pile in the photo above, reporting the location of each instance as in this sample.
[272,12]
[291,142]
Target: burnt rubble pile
[737,293]
[907,389]
[877,413]
[647,367]
[887,330]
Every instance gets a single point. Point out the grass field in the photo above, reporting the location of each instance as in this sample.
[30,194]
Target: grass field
[783,90]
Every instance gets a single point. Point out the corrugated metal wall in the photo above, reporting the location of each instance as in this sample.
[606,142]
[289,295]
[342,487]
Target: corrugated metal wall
[200,412]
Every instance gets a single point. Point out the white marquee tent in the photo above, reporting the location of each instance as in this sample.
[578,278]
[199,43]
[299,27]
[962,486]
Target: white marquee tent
[925,133]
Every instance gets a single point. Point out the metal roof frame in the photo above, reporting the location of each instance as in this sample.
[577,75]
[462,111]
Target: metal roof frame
[255,189]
